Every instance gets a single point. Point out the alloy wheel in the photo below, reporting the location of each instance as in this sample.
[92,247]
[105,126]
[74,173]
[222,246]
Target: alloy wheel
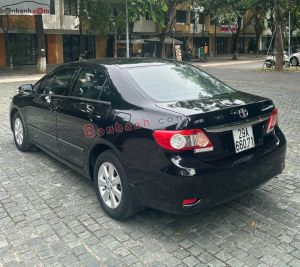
[109,184]
[19,131]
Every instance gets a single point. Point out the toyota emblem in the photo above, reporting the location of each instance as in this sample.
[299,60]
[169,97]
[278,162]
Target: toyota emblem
[243,113]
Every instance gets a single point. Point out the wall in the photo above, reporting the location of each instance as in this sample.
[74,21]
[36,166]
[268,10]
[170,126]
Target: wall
[2,50]
[144,25]
[59,21]
[101,44]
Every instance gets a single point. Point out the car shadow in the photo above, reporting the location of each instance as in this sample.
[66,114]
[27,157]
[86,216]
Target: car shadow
[246,215]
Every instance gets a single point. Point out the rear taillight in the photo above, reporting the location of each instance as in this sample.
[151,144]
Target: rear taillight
[273,120]
[190,201]
[183,140]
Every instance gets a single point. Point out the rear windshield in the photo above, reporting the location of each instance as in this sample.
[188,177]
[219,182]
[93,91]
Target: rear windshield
[177,82]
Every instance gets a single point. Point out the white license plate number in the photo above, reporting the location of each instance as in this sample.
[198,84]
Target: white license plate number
[243,138]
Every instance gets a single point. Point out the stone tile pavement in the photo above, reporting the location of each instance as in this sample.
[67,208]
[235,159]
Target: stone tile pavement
[49,215]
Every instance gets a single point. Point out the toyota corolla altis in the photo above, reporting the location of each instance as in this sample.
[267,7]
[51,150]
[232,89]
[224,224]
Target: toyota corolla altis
[151,133]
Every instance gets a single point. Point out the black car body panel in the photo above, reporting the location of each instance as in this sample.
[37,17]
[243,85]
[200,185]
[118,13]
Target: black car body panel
[74,129]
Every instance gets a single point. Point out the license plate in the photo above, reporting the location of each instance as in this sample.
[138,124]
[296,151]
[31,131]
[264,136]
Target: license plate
[243,138]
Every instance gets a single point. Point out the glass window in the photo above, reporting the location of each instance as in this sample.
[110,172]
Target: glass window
[22,48]
[180,16]
[71,45]
[108,93]
[89,84]
[52,7]
[70,7]
[177,82]
[201,18]
[148,16]
[57,83]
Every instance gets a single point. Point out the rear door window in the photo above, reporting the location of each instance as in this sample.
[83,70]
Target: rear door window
[89,84]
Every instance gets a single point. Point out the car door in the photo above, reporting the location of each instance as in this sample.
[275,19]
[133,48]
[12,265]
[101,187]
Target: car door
[41,116]
[81,108]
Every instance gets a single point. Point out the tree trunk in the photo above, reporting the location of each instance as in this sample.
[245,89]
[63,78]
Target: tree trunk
[257,39]
[235,39]
[40,44]
[279,38]
[81,42]
[5,28]
[234,47]
[161,44]
[258,31]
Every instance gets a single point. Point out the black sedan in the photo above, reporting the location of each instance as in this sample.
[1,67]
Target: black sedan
[151,133]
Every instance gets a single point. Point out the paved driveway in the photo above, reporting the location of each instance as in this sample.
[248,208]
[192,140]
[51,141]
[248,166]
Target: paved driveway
[49,215]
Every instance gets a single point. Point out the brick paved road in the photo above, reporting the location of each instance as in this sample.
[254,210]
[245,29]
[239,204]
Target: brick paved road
[49,215]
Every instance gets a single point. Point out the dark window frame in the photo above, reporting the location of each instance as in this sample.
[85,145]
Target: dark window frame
[52,7]
[76,79]
[70,7]
[37,90]
[181,16]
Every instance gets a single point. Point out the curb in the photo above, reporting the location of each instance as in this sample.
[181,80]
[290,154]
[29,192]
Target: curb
[20,78]
[228,63]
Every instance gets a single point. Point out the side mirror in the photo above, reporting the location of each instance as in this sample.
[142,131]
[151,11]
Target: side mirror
[25,89]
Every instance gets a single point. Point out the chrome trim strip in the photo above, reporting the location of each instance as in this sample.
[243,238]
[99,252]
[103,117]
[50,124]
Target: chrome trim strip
[231,126]
[190,205]
[199,150]
[39,130]
[70,144]
[58,139]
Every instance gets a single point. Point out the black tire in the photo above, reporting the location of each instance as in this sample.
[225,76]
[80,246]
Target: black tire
[268,64]
[126,206]
[23,145]
[294,61]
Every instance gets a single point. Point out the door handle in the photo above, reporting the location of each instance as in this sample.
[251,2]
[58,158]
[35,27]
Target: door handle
[52,103]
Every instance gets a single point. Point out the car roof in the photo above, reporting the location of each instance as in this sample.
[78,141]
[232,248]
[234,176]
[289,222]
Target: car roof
[119,62]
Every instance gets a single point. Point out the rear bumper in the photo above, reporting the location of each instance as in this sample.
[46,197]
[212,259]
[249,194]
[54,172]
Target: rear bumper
[214,185]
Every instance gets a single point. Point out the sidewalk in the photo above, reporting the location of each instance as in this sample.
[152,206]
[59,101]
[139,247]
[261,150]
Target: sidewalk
[223,60]
[27,72]
[22,73]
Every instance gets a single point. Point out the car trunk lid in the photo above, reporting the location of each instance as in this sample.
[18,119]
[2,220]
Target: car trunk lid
[219,115]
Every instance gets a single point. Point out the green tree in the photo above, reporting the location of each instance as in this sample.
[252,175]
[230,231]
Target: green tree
[208,8]
[161,11]
[259,10]
[117,21]
[292,6]
[232,12]
[94,16]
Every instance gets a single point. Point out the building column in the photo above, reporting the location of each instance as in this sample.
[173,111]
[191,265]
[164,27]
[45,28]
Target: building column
[2,50]
[55,49]
[211,42]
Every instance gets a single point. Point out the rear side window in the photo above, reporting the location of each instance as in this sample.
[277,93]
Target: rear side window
[176,82]
[57,83]
[89,84]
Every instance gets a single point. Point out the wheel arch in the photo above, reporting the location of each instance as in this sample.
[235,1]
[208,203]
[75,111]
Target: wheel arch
[95,151]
